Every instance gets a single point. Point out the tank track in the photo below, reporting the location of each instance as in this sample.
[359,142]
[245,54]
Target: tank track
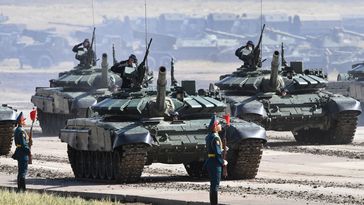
[123,165]
[195,169]
[244,161]
[51,123]
[6,137]
[342,131]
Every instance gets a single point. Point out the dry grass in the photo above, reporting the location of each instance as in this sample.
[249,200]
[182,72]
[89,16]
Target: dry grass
[29,198]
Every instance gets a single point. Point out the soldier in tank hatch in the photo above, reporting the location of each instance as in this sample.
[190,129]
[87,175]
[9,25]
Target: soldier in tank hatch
[22,151]
[119,68]
[84,52]
[215,161]
[246,54]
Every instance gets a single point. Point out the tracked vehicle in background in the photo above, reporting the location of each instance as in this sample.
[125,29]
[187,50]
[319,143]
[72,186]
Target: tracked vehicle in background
[291,99]
[71,95]
[7,124]
[139,127]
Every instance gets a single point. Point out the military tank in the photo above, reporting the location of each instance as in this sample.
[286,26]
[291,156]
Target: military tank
[72,94]
[139,127]
[351,84]
[7,124]
[291,99]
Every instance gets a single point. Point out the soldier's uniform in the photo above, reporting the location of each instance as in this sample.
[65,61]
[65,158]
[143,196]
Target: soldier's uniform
[82,53]
[22,151]
[120,69]
[214,162]
[246,54]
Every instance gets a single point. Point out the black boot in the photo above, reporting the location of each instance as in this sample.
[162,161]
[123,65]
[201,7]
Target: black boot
[19,185]
[213,197]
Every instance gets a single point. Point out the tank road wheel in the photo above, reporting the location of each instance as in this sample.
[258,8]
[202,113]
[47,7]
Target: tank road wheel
[80,164]
[102,165]
[342,131]
[109,166]
[6,137]
[72,158]
[244,161]
[195,169]
[95,164]
[130,166]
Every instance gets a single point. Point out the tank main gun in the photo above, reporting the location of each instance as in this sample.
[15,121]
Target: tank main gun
[274,70]
[161,90]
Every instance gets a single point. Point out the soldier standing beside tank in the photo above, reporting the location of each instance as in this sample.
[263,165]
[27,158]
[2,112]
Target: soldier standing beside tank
[22,151]
[215,161]
[84,52]
[120,68]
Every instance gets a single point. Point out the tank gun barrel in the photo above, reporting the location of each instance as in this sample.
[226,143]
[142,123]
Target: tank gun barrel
[161,89]
[104,68]
[274,70]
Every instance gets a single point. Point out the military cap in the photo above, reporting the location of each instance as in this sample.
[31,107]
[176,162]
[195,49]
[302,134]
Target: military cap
[213,122]
[20,117]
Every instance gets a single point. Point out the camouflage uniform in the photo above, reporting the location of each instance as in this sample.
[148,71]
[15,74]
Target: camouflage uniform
[246,54]
[120,68]
[82,54]
[21,154]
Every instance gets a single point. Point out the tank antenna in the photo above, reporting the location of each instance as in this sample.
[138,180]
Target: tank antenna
[261,26]
[146,28]
[93,18]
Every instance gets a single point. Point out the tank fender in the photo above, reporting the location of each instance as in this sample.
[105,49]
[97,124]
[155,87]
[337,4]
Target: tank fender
[8,115]
[243,131]
[132,134]
[343,104]
[252,107]
[83,102]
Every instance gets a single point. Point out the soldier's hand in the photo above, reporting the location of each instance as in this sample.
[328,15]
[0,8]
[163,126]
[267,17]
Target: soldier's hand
[225,162]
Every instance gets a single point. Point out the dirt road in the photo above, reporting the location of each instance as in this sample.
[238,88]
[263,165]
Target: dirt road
[288,173]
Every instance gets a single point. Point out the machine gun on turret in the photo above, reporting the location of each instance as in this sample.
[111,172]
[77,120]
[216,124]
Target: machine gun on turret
[90,53]
[173,79]
[141,70]
[257,60]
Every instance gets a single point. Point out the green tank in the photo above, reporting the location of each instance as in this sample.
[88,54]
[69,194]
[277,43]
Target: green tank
[72,94]
[288,98]
[7,124]
[351,84]
[143,126]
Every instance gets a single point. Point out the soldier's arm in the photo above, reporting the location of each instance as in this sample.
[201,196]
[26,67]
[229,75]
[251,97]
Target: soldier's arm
[75,48]
[238,52]
[23,141]
[217,150]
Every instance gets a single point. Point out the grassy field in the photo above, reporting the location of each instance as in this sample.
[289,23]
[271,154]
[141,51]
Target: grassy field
[30,198]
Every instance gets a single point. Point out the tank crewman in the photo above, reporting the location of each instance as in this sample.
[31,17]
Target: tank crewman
[120,68]
[82,53]
[246,54]
[215,161]
[22,151]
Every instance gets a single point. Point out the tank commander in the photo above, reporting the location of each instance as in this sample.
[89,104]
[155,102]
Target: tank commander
[131,62]
[22,151]
[215,161]
[85,53]
[246,54]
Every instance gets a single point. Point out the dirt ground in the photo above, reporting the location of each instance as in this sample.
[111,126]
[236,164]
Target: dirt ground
[288,172]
